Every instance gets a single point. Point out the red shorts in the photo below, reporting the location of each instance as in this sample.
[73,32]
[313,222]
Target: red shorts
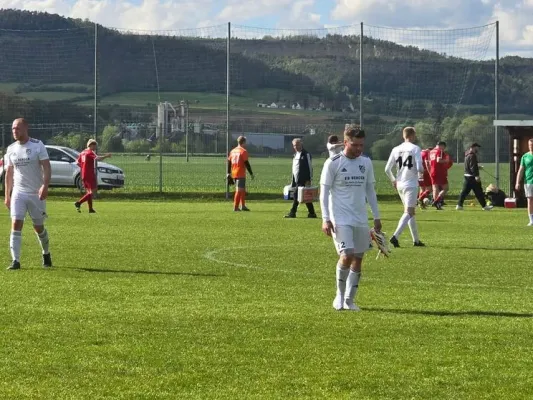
[89,184]
[439,180]
[426,182]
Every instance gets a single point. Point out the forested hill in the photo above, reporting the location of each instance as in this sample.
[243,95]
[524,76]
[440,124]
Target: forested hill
[326,68]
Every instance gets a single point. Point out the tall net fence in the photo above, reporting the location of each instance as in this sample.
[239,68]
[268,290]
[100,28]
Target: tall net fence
[47,76]
[158,100]
[162,105]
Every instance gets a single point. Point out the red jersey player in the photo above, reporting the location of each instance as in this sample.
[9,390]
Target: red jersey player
[86,161]
[425,183]
[439,164]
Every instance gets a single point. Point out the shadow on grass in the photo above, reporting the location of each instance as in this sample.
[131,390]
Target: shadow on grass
[471,313]
[73,195]
[129,271]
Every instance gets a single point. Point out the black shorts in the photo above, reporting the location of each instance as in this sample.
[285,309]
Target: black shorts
[240,183]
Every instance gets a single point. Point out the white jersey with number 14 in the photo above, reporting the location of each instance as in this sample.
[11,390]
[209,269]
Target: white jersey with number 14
[407,157]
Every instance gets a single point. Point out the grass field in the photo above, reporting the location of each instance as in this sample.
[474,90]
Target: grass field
[206,174]
[188,300]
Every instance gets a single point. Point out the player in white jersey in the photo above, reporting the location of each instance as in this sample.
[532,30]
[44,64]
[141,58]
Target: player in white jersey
[27,178]
[407,157]
[347,183]
[333,145]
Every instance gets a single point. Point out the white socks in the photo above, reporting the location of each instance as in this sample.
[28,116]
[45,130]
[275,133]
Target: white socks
[402,224]
[15,242]
[414,229]
[531,218]
[351,285]
[43,240]
[342,276]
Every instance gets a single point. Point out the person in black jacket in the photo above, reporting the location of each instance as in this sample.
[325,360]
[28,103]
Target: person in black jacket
[302,174]
[472,181]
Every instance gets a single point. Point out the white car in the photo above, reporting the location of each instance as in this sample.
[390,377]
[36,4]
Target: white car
[66,173]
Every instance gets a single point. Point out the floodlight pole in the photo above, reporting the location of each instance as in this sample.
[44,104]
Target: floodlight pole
[496,111]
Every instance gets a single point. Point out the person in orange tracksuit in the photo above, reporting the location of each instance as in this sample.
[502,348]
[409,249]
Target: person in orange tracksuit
[237,165]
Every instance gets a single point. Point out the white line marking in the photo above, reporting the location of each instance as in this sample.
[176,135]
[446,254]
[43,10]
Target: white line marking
[211,255]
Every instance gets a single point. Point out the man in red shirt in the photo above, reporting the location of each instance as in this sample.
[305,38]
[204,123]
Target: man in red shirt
[425,183]
[86,161]
[439,164]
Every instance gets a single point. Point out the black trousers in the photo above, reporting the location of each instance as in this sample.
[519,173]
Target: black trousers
[295,203]
[470,184]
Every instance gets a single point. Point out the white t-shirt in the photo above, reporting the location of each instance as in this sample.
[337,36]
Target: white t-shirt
[334,149]
[348,179]
[407,157]
[296,164]
[27,171]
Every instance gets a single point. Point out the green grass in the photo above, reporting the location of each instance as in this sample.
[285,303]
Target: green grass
[206,174]
[52,96]
[188,300]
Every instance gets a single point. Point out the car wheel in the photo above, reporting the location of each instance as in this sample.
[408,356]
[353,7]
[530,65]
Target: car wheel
[79,184]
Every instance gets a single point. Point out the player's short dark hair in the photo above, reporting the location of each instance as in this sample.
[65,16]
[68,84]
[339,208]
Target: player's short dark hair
[353,131]
[332,139]
[441,143]
[241,140]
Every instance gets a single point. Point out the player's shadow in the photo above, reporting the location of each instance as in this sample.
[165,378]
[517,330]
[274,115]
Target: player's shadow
[471,313]
[142,272]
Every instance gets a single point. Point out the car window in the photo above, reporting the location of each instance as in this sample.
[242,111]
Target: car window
[71,152]
[56,155]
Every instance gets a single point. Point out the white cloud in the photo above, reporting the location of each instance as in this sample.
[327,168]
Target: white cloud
[515,16]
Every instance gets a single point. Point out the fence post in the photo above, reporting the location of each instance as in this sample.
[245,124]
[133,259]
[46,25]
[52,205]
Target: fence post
[161,157]
[228,49]
[361,77]
[95,111]
[496,111]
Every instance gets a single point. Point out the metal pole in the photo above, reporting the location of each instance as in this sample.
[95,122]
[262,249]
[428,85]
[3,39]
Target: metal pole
[95,111]
[361,77]
[161,125]
[228,49]
[496,111]
[3,155]
[187,130]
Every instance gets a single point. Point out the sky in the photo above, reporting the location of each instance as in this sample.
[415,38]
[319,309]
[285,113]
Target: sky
[208,16]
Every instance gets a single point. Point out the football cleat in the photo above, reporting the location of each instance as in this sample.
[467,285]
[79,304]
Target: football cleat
[381,242]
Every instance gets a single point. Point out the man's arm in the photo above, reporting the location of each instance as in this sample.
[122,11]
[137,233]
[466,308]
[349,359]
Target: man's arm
[419,164]
[519,177]
[100,158]
[309,166]
[249,168]
[372,198]
[388,167]
[47,172]
[47,175]
[8,184]
[474,165]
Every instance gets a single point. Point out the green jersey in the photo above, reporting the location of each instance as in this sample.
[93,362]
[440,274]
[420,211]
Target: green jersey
[527,163]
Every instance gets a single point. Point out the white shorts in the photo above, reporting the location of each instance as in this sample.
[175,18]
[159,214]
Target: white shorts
[22,203]
[409,196]
[528,189]
[351,239]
